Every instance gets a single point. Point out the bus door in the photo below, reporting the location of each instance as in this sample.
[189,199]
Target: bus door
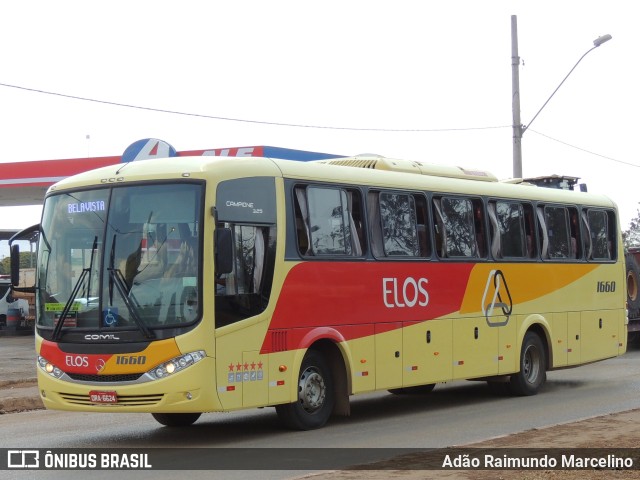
[246,209]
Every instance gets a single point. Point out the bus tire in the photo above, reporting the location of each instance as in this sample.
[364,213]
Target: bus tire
[633,286]
[533,369]
[316,395]
[176,419]
[417,390]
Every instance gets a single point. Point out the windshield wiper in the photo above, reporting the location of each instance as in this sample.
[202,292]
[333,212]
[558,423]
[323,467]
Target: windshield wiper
[68,305]
[115,276]
[117,279]
[74,293]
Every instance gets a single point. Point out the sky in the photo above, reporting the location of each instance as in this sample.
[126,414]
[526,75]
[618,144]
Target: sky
[423,80]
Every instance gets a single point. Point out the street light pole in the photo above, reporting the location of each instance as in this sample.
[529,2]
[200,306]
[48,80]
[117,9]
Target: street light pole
[515,100]
[518,128]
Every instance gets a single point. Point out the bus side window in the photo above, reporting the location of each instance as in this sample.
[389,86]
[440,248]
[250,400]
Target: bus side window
[375,232]
[301,216]
[496,251]
[542,230]
[422,217]
[612,225]
[326,223]
[557,228]
[480,228]
[586,234]
[356,221]
[529,229]
[439,229]
[460,233]
[398,224]
[574,227]
[601,225]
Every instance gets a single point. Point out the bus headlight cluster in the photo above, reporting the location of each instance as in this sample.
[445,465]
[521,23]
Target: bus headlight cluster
[176,364]
[49,368]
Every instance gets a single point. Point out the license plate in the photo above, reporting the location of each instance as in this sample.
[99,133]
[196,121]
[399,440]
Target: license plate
[98,396]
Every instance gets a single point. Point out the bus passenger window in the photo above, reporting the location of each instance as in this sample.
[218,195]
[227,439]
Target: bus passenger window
[373,216]
[356,221]
[439,229]
[601,241]
[480,228]
[459,227]
[529,229]
[576,242]
[557,226]
[422,217]
[398,221]
[510,221]
[328,221]
[301,215]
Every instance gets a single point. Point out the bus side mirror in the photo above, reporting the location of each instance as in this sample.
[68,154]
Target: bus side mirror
[30,234]
[223,251]
[15,265]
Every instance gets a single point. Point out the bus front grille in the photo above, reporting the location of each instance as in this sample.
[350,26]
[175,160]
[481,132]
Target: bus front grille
[123,400]
[129,377]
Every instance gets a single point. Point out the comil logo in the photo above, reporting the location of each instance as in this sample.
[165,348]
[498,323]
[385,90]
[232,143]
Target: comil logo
[496,296]
[23,459]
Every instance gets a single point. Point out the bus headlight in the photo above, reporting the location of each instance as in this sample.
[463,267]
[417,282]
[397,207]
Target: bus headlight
[49,368]
[176,364]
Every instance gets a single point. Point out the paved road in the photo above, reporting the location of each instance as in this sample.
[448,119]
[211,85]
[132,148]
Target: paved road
[453,414]
[17,359]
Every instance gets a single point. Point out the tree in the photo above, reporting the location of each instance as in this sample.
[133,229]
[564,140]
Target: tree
[5,266]
[631,236]
[27,260]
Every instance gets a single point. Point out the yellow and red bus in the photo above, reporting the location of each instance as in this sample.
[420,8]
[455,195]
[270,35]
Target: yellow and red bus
[190,285]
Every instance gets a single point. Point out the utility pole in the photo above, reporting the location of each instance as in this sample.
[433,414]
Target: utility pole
[515,100]
[518,128]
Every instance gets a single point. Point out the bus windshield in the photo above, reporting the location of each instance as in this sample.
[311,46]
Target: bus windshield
[121,258]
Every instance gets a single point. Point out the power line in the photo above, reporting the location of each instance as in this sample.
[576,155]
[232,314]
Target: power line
[260,122]
[294,125]
[586,151]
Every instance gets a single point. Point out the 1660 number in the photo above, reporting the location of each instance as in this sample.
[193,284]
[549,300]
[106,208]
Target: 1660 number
[605,287]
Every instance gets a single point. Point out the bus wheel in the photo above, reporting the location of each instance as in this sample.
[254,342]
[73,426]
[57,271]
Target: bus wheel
[633,286]
[316,395]
[417,390]
[176,419]
[533,371]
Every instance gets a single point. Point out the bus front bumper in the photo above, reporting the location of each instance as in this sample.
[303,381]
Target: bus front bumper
[190,390]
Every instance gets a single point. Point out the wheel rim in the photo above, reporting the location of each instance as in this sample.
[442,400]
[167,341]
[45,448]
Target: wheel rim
[311,390]
[531,364]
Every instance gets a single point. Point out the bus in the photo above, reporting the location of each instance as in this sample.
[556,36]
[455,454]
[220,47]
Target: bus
[182,286]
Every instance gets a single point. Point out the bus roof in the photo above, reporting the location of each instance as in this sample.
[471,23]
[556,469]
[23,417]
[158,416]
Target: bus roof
[360,170]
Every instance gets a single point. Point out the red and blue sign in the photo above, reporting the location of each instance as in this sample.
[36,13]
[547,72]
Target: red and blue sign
[148,148]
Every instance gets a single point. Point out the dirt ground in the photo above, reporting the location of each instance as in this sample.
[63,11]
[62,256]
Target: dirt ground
[620,430]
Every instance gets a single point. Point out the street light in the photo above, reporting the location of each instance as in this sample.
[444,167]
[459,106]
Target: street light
[518,128]
[596,43]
